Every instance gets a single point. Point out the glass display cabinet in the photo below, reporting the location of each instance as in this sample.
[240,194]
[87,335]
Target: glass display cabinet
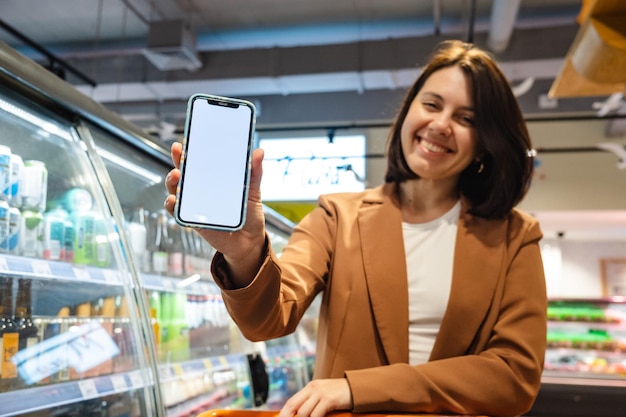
[107,306]
[585,364]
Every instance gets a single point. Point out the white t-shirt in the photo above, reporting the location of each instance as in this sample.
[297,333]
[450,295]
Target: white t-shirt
[429,249]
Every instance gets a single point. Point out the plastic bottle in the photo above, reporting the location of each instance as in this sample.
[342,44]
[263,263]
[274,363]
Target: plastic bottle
[160,245]
[137,232]
[29,333]
[102,244]
[175,250]
[9,335]
[54,234]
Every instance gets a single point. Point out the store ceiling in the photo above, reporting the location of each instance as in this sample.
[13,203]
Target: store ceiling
[288,54]
[306,64]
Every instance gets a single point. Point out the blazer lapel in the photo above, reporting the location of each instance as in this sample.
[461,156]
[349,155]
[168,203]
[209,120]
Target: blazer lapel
[380,227]
[477,265]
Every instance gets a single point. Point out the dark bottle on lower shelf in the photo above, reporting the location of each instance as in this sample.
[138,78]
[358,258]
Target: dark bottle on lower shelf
[29,333]
[9,336]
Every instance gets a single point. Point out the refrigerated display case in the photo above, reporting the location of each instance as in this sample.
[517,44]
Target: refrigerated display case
[116,312]
[585,365]
[72,337]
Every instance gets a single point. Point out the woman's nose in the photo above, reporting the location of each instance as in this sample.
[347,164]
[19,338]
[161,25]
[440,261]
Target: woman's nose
[440,124]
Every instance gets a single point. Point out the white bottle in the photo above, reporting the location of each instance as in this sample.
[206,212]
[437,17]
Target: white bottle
[137,232]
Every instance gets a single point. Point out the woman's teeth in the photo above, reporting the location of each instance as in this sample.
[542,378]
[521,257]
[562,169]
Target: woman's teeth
[433,148]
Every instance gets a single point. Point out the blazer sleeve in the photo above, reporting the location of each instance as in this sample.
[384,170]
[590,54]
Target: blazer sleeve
[280,293]
[500,378]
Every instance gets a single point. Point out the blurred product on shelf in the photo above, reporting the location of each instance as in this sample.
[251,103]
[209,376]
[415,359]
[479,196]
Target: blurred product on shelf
[5,173]
[35,181]
[9,334]
[138,235]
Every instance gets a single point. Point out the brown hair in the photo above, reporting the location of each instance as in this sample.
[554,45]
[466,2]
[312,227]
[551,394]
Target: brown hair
[504,145]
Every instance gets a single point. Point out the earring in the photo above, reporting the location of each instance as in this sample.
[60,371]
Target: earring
[481,167]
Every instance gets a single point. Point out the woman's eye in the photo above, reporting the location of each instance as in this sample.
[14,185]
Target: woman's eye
[468,120]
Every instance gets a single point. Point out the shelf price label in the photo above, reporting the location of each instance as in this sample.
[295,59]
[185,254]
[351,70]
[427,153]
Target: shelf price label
[4,266]
[41,268]
[81,273]
[223,361]
[119,383]
[136,380]
[178,370]
[111,276]
[88,388]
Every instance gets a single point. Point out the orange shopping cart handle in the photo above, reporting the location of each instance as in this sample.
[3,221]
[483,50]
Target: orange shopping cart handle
[262,413]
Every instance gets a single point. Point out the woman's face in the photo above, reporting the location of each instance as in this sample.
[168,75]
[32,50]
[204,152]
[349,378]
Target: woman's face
[438,136]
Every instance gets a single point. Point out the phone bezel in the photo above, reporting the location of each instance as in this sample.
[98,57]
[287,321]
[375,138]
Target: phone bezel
[225,101]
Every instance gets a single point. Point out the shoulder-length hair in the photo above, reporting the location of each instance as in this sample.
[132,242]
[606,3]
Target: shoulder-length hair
[499,181]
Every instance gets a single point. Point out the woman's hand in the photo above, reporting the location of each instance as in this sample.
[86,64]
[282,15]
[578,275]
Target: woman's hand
[318,398]
[243,249]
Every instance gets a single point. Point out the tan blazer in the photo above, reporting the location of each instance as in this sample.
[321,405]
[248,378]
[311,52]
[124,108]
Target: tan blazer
[488,355]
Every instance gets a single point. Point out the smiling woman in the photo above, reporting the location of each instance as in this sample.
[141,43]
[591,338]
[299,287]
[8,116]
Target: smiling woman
[439,269]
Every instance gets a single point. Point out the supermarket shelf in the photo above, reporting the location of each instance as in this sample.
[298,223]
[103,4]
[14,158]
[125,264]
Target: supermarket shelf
[614,326]
[582,378]
[16,403]
[46,269]
[170,284]
[185,369]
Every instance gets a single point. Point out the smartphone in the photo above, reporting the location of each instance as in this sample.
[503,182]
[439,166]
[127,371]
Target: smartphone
[212,191]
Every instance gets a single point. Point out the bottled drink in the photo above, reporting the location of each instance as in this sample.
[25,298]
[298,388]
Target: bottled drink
[35,191]
[155,315]
[137,233]
[23,315]
[17,179]
[69,234]
[5,173]
[187,253]
[31,233]
[9,336]
[190,263]
[175,250]
[4,226]
[102,244]
[161,245]
[151,221]
[197,252]
[84,237]
[76,200]
[53,234]
[15,223]
[122,336]
[175,328]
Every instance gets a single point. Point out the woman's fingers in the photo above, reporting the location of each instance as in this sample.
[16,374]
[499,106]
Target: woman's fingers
[256,174]
[176,151]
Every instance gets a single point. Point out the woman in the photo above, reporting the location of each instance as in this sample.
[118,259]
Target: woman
[433,289]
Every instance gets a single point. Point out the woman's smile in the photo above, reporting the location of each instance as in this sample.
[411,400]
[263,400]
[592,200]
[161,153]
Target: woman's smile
[431,147]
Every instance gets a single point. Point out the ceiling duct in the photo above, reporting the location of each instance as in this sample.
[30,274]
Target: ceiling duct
[502,22]
[172,46]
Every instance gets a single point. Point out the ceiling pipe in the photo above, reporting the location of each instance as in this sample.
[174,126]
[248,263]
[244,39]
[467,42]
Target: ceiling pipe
[503,16]
[55,64]
[471,20]
[437,16]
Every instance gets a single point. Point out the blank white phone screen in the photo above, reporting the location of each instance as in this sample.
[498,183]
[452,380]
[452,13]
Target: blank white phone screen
[215,169]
